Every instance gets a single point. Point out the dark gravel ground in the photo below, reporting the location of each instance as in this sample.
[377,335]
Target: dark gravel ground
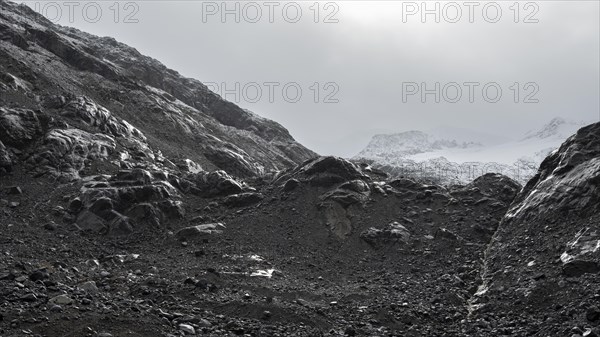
[150,282]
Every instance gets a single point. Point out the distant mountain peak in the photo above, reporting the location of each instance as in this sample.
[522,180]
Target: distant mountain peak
[409,143]
[558,127]
[448,147]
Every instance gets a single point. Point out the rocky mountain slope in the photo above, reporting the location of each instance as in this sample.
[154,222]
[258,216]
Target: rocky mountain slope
[544,260]
[458,156]
[74,88]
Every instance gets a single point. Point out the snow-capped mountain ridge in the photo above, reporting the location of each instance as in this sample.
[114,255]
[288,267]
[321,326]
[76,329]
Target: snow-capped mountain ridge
[436,152]
[556,128]
[411,143]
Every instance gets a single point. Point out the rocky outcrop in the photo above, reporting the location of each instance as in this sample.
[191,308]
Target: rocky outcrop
[495,185]
[131,200]
[352,192]
[323,172]
[545,253]
[214,184]
[392,233]
[336,203]
[99,117]
[335,206]
[326,171]
[64,153]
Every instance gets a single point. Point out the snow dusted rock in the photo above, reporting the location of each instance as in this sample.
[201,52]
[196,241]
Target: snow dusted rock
[187,329]
[101,118]
[393,232]
[578,250]
[64,153]
[200,231]
[12,82]
[61,299]
[85,112]
[290,185]
[551,229]
[217,183]
[89,287]
[233,160]
[243,199]
[189,166]
[357,186]
[97,116]
[567,181]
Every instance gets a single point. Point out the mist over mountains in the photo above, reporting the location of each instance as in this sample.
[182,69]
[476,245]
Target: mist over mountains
[459,155]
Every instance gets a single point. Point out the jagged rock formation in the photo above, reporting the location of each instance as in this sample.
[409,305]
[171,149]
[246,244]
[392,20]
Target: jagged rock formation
[132,198]
[543,262]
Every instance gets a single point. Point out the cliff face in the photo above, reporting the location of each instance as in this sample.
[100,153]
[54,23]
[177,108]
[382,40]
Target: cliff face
[544,260]
[52,70]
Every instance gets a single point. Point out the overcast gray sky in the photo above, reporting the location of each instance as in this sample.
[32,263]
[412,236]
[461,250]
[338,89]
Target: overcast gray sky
[369,60]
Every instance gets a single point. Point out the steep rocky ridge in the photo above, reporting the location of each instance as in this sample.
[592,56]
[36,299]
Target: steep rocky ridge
[50,69]
[543,263]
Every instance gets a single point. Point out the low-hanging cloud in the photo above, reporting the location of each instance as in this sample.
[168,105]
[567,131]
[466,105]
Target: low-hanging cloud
[363,61]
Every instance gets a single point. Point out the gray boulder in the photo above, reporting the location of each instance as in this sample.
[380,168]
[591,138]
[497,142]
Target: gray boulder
[392,233]
[242,199]
[217,183]
[200,231]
